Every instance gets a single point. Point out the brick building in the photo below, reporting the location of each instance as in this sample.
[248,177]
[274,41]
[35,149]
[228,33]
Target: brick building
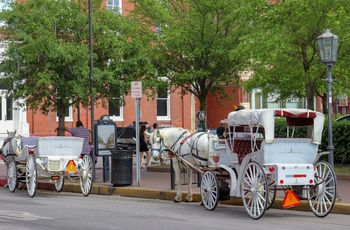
[166,109]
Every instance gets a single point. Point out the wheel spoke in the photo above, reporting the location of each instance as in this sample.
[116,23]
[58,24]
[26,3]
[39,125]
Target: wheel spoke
[31,175]
[322,197]
[209,190]
[85,175]
[254,190]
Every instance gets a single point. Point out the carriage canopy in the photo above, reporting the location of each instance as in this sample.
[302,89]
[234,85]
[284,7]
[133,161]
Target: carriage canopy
[266,119]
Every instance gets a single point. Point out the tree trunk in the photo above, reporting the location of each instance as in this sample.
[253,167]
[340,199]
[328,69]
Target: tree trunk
[310,89]
[61,111]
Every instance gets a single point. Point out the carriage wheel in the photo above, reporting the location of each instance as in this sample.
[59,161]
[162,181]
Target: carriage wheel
[209,190]
[254,189]
[85,174]
[271,196]
[59,183]
[12,176]
[272,193]
[31,176]
[322,196]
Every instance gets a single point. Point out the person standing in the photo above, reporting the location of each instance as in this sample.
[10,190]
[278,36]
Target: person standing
[143,145]
[155,126]
[81,131]
[221,130]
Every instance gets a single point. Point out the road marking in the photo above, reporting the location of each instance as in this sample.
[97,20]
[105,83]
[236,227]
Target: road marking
[8,215]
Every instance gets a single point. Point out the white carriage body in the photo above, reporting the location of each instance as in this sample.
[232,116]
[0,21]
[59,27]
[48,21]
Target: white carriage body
[54,153]
[52,157]
[289,161]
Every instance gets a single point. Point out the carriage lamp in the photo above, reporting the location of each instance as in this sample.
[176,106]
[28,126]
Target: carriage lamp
[328,47]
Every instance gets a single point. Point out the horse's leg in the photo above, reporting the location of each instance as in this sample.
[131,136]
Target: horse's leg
[177,171]
[189,197]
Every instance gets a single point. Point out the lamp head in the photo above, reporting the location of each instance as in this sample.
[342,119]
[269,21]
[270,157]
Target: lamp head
[328,47]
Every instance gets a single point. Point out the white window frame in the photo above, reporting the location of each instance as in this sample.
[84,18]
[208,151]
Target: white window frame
[4,6]
[167,117]
[70,115]
[112,7]
[121,113]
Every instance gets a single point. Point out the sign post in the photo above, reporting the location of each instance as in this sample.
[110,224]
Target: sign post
[136,92]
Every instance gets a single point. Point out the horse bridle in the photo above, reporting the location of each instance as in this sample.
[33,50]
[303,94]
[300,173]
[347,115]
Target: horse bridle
[160,149]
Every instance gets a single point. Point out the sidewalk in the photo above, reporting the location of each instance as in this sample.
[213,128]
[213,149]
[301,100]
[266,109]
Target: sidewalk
[155,184]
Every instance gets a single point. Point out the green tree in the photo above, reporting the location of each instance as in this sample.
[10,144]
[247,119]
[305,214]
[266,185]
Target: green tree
[47,56]
[283,49]
[193,43]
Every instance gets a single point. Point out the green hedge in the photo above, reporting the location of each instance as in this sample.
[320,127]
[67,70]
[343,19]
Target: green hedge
[341,140]
[341,137]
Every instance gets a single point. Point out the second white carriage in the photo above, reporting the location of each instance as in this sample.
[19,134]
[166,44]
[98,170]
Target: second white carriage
[56,158]
[254,165]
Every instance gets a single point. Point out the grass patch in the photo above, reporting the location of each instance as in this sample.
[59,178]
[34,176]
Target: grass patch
[342,169]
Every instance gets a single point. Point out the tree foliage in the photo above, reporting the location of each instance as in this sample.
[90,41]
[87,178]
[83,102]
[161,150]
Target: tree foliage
[194,43]
[283,49]
[47,56]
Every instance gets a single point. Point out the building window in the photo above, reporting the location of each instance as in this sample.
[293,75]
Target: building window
[1,108]
[163,104]
[9,113]
[115,111]
[272,102]
[115,6]
[6,109]
[68,115]
[4,5]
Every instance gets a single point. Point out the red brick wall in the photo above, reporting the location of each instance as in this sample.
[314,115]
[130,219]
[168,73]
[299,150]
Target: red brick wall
[217,111]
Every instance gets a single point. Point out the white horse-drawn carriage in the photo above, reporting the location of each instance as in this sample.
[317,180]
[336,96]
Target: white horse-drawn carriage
[56,158]
[252,164]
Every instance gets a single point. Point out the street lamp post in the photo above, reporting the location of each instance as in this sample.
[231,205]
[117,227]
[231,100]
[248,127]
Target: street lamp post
[328,47]
[91,83]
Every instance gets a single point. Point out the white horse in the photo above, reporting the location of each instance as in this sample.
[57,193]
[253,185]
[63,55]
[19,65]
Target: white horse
[10,145]
[190,149]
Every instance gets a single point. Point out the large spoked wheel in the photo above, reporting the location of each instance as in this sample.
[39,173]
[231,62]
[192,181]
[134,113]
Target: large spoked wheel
[209,190]
[12,176]
[271,193]
[254,189]
[86,174]
[322,196]
[59,183]
[31,176]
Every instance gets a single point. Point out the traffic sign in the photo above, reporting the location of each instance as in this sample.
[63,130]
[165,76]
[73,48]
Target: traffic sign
[136,89]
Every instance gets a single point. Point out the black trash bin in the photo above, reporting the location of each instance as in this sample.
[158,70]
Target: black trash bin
[121,167]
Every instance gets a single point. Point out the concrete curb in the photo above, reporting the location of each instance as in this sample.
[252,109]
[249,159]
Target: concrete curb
[138,192]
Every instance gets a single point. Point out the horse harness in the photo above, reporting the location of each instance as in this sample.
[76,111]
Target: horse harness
[11,151]
[195,153]
[8,141]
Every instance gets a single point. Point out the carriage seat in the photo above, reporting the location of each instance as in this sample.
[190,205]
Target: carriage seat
[290,151]
[242,146]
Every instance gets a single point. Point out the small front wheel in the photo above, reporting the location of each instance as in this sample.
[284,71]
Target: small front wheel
[31,175]
[254,190]
[322,196]
[209,190]
[12,176]
[86,175]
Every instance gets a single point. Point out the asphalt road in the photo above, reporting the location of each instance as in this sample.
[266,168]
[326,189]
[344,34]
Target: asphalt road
[57,211]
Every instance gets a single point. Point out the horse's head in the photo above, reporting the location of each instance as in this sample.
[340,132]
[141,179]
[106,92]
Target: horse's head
[155,140]
[162,139]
